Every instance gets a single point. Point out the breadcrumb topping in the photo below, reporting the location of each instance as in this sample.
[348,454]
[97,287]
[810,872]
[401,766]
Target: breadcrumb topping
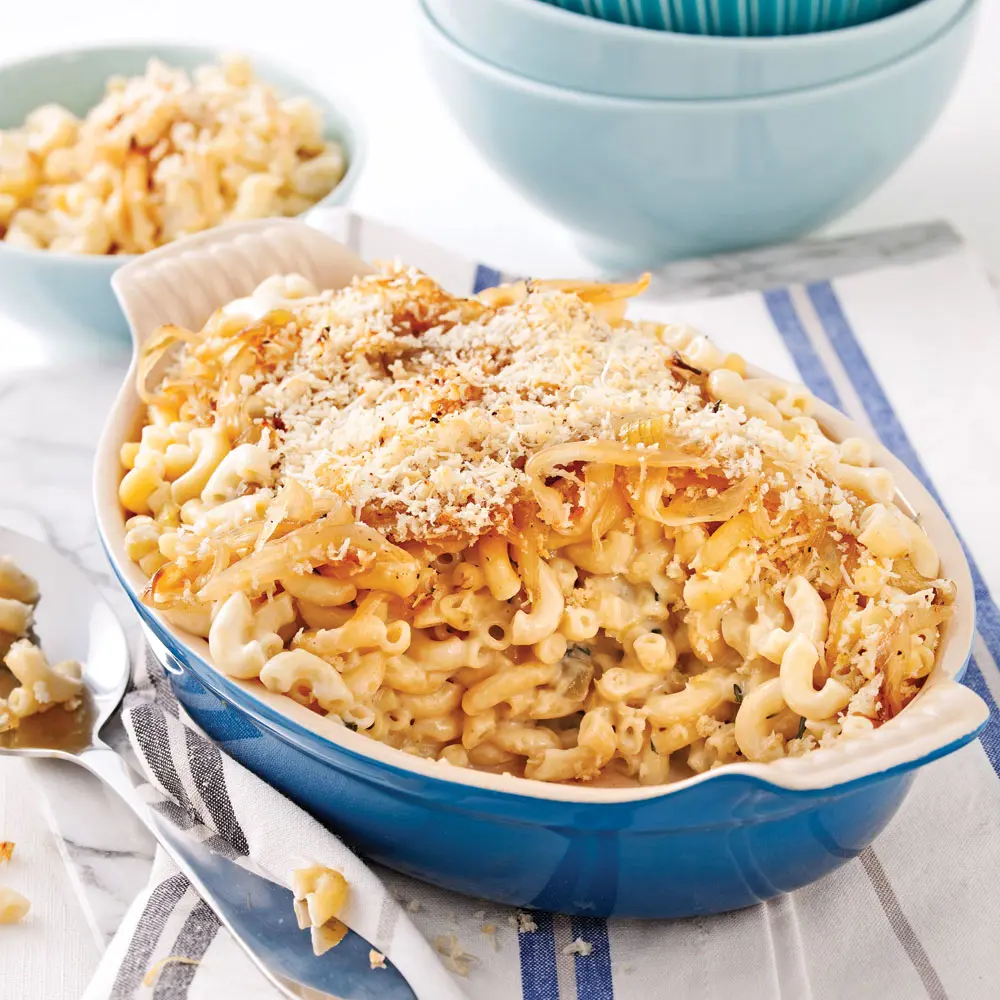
[421,409]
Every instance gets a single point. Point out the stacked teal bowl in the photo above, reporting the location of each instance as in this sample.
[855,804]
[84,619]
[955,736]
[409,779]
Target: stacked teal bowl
[652,145]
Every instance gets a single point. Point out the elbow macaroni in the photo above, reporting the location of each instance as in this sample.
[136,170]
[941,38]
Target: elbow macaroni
[40,685]
[637,602]
[13,906]
[162,156]
[320,896]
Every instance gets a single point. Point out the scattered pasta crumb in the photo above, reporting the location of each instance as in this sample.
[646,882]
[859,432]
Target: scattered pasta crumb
[13,906]
[150,978]
[525,923]
[327,936]
[376,959]
[320,894]
[578,947]
[414,906]
[456,958]
[490,930]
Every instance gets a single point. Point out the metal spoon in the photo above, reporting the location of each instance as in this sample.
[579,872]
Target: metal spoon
[74,622]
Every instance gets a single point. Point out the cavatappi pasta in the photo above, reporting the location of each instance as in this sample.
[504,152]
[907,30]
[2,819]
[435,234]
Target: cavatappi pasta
[517,532]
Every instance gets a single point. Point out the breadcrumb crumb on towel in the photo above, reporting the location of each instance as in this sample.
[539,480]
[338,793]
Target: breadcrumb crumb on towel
[455,958]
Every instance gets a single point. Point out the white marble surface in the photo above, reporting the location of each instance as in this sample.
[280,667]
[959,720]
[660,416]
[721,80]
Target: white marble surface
[86,848]
[52,418]
[56,924]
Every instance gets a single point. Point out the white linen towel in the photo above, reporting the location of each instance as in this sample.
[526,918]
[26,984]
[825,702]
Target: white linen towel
[906,339]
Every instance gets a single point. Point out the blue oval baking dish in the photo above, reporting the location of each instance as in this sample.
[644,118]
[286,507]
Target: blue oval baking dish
[720,840]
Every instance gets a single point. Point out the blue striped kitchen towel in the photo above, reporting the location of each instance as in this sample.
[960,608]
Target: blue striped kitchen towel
[899,329]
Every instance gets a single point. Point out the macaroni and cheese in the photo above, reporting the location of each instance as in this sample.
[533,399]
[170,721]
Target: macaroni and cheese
[162,156]
[40,685]
[518,532]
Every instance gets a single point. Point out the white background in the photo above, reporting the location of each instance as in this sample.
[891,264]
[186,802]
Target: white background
[422,175]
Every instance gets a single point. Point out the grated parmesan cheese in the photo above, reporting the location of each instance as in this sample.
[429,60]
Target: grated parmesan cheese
[420,409]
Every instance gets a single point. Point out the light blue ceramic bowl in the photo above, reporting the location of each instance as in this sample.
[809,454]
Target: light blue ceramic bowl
[749,18]
[718,841]
[551,45]
[646,181]
[71,293]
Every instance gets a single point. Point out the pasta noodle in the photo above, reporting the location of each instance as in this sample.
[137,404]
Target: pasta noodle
[40,685]
[518,532]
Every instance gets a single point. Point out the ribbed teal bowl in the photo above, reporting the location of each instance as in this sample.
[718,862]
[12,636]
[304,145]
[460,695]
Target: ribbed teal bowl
[70,294]
[737,17]
[547,44]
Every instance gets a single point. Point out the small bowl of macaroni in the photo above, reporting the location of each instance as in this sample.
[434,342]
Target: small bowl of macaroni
[610,621]
[107,153]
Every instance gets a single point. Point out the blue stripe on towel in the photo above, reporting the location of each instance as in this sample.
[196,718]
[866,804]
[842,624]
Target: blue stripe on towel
[593,972]
[786,321]
[538,960]
[486,277]
[990,737]
[889,429]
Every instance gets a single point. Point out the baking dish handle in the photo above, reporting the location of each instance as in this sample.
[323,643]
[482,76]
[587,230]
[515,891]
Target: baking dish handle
[944,717]
[186,281]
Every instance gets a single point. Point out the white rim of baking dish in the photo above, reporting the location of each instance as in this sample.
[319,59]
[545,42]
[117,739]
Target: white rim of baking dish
[228,263]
